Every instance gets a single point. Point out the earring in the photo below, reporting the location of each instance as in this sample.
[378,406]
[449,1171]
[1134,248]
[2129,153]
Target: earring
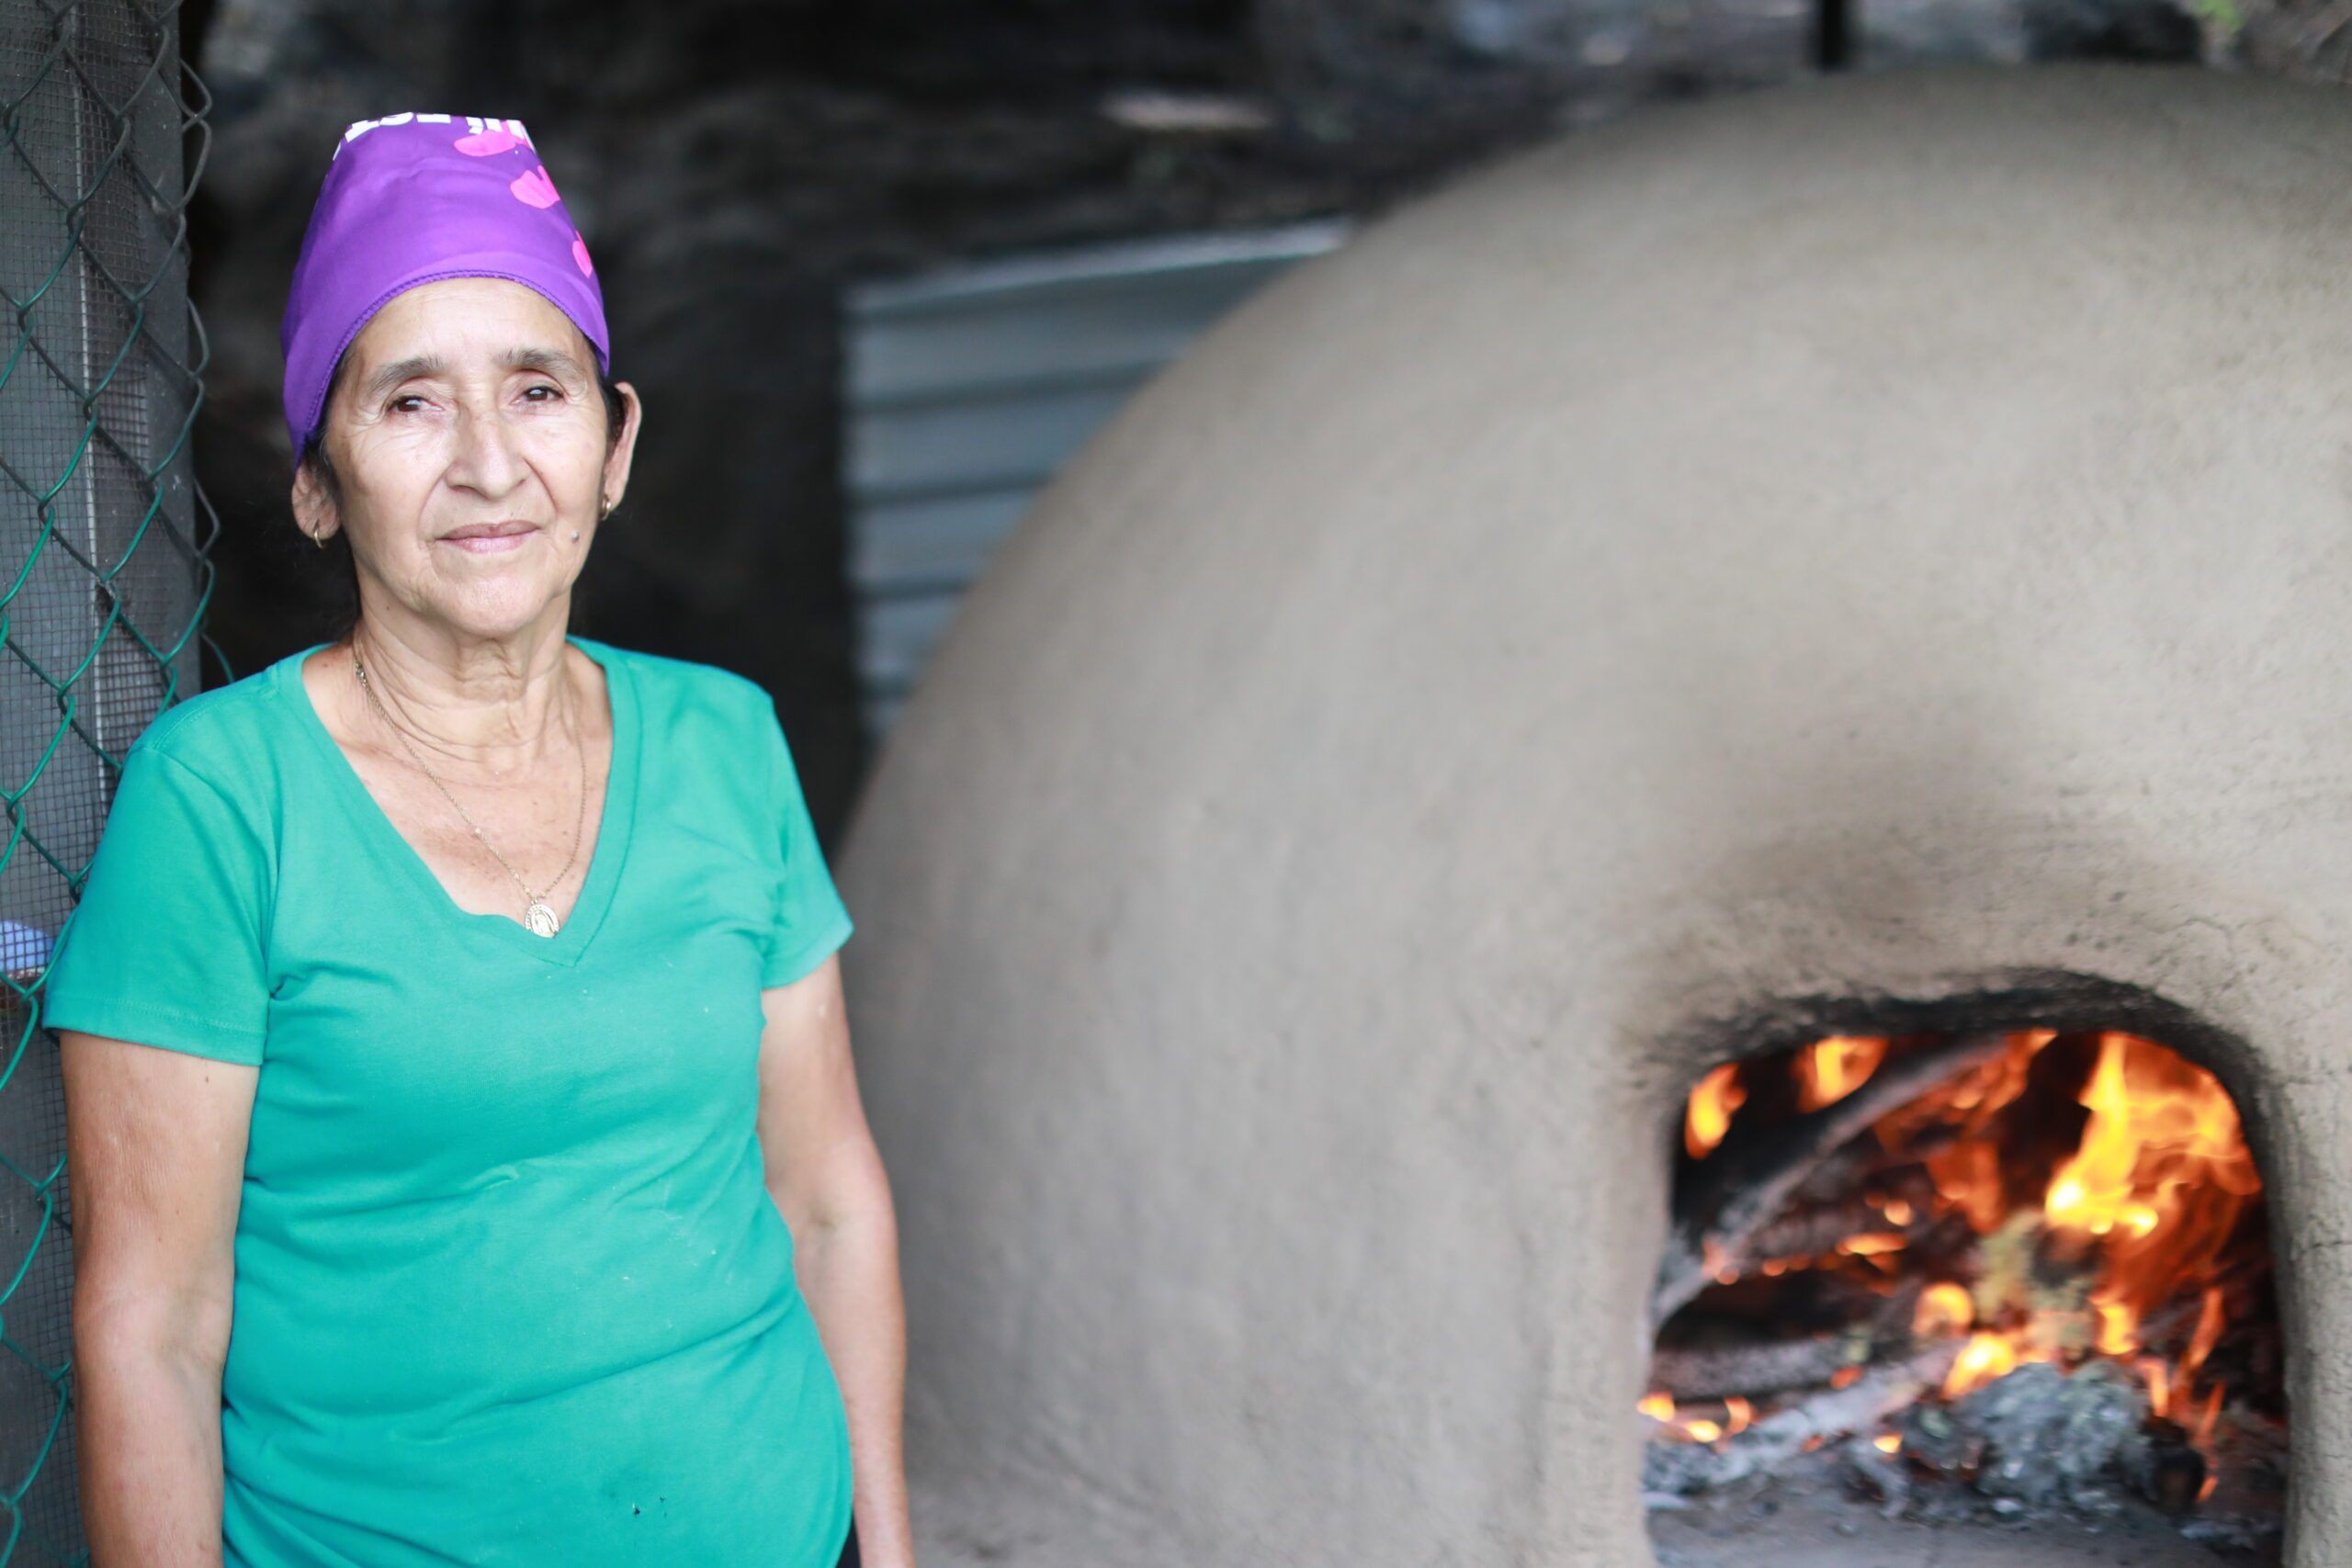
[605,510]
[319,539]
[575,533]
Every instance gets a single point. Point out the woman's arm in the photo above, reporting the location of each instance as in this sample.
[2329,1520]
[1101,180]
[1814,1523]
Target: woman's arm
[826,1178]
[156,1143]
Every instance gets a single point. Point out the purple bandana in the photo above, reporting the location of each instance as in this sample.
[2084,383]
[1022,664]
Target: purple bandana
[411,198]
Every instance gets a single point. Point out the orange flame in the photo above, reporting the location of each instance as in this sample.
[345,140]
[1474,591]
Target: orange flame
[2162,1175]
[1968,1176]
[1828,1070]
[1708,1116]
[2201,1431]
[2208,1334]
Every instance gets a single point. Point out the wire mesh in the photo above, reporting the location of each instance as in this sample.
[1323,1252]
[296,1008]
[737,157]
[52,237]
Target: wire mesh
[104,577]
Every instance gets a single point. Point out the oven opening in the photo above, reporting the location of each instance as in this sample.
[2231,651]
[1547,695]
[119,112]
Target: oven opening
[2016,1281]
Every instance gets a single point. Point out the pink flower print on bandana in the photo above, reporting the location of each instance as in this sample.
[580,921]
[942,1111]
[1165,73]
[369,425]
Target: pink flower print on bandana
[535,187]
[486,144]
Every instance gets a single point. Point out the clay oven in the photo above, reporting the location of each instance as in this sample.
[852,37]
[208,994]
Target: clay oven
[1864,557]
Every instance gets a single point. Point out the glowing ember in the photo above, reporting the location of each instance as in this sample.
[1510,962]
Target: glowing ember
[1828,1070]
[1986,1358]
[1943,1310]
[1888,1443]
[1871,1243]
[1708,1117]
[1659,1407]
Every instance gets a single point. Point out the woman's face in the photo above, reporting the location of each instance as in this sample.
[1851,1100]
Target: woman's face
[468,437]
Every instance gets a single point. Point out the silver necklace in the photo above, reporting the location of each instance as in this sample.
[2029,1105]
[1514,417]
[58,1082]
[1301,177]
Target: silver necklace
[538,915]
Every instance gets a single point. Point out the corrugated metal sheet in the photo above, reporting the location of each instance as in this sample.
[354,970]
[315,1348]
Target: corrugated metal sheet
[968,386]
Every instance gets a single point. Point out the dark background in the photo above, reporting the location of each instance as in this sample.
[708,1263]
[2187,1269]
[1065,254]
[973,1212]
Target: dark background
[732,166]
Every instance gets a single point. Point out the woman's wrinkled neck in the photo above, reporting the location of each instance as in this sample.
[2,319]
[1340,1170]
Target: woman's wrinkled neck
[496,705]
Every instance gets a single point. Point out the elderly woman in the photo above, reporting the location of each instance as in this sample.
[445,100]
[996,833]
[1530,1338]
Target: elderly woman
[467,1162]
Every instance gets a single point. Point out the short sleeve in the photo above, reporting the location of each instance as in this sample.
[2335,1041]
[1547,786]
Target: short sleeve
[811,919]
[166,946]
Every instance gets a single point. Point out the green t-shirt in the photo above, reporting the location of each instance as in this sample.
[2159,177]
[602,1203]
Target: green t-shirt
[510,1287]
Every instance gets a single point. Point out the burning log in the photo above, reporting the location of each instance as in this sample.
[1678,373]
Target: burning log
[1815,1231]
[1716,1372]
[1705,1372]
[1751,1179]
[1678,1469]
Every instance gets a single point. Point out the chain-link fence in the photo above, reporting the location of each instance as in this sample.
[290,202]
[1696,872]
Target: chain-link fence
[103,582]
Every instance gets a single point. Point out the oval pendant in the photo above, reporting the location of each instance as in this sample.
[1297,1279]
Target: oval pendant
[540,919]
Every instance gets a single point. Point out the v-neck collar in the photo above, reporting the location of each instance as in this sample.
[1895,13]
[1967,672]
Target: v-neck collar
[614,828]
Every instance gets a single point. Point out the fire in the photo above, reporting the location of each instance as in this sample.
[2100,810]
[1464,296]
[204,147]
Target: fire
[1968,1176]
[1871,1244]
[1988,1358]
[2169,1388]
[1943,1309]
[2159,1377]
[1828,1070]
[1708,1117]
[2161,1176]
[1659,1407]
[2208,1334]
[1967,1168]
[2142,1210]
[2201,1431]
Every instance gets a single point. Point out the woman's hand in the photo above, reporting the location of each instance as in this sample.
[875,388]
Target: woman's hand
[827,1180]
[156,1140]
